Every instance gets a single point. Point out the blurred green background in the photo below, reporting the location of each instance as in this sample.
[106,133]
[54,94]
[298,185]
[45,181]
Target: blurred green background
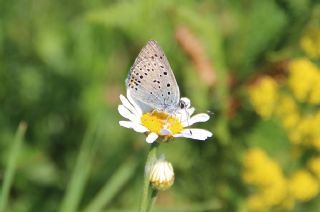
[62,69]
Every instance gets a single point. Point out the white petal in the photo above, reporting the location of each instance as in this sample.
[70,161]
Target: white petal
[151,138]
[190,111]
[198,134]
[127,124]
[186,111]
[181,115]
[127,114]
[132,125]
[135,105]
[125,102]
[201,117]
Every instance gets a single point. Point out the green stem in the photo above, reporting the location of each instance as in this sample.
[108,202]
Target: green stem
[149,194]
[154,193]
[11,166]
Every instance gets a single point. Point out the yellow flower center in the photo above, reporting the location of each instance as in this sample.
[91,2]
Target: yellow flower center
[155,121]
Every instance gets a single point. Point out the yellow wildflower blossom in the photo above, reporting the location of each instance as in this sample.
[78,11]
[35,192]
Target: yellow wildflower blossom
[315,130]
[303,77]
[303,186]
[303,131]
[266,175]
[295,137]
[314,97]
[298,111]
[310,42]
[263,96]
[288,203]
[307,131]
[315,142]
[255,203]
[288,111]
[314,166]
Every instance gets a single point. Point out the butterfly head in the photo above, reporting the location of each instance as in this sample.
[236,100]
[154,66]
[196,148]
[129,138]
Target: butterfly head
[184,103]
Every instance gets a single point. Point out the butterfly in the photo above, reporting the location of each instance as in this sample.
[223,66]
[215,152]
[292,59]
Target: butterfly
[152,82]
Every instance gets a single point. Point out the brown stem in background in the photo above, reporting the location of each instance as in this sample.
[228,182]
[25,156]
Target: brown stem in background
[277,70]
[194,49]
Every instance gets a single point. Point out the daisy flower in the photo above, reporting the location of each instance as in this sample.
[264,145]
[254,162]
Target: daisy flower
[157,124]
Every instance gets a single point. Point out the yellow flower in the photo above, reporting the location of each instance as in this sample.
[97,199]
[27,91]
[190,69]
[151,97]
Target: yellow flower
[266,175]
[288,111]
[256,203]
[154,121]
[307,131]
[310,42]
[303,130]
[314,166]
[316,143]
[295,137]
[303,78]
[252,161]
[315,91]
[303,186]
[260,169]
[314,130]
[288,203]
[263,96]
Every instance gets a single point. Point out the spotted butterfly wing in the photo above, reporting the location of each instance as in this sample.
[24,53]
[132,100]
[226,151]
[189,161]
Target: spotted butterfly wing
[151,80]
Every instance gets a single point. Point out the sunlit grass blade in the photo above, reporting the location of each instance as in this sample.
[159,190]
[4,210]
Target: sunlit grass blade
[112,187]
[80,173]
[11,165]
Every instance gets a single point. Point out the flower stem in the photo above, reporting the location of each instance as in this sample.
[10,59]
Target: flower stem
[149,194]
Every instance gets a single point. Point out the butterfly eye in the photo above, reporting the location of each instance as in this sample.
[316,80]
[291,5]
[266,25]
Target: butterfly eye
[182,104]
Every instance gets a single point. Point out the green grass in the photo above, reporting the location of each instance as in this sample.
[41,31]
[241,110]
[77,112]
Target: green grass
[11,165]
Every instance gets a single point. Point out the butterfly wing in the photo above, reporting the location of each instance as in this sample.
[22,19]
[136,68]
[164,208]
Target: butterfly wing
[151,79]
